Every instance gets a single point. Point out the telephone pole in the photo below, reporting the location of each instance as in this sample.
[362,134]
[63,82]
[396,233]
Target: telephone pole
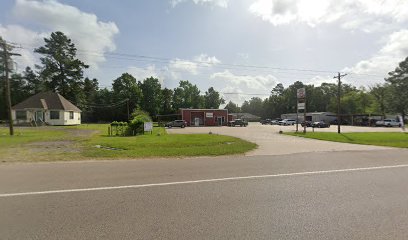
[339,76]
[6,56]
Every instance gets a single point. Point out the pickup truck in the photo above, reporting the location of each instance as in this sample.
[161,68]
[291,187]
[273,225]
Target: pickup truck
[238,122]
[388,123]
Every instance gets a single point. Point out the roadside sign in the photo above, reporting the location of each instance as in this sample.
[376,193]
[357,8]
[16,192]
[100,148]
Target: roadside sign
[148,126]
[301,93]
[301,106]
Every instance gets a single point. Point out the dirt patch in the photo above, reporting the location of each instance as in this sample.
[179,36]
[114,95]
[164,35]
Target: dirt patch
[54,146]
[81,132]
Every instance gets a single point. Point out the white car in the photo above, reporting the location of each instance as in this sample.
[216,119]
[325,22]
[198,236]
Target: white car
[388,123]
[287,122]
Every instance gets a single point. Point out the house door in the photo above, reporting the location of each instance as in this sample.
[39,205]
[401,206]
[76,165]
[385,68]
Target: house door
[196,122]
[39,116]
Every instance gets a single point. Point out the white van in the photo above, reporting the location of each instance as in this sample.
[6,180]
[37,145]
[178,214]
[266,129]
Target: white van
[287,122]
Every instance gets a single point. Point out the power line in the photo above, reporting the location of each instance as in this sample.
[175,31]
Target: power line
[106,105]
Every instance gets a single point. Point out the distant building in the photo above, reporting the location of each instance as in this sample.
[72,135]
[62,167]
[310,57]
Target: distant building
[311,116]
[247,116]
[46,108]
[204,117]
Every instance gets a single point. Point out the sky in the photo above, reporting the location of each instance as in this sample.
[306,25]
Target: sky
[242,48]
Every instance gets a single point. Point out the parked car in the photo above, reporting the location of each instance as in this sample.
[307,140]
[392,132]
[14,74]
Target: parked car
[238,122]
[306,123]
[275,121]
[265,121]
[388,123]
[321,124]
[176,123]
[342,122]
[287,122]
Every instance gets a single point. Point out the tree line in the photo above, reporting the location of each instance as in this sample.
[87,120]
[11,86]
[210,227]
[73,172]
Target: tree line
[379,99]
[61,71]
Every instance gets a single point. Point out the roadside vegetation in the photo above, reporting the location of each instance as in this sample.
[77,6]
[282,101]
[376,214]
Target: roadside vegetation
[91,141]
[388,139]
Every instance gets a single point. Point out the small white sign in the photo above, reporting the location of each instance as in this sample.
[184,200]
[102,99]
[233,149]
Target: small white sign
[209,115]
[148,126]
[301,106]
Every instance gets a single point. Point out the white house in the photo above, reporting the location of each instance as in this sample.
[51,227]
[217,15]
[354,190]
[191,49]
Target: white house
[46,108]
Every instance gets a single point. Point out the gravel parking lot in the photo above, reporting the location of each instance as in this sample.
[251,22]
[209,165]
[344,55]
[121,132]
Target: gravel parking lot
[272,143]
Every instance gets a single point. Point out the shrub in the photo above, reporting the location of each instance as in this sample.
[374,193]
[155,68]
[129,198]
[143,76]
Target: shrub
[136,125]
[118,128]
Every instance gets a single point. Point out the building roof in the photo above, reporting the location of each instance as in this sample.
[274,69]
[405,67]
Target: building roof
[245,115]
[47,100]
[204,109]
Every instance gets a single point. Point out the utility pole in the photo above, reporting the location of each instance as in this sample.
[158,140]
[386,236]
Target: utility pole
[6,56]
[339,76]
[127,104]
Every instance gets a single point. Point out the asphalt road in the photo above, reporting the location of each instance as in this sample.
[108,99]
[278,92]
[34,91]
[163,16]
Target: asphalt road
[337,195]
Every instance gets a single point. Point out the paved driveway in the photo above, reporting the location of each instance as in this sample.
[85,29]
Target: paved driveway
[272,143]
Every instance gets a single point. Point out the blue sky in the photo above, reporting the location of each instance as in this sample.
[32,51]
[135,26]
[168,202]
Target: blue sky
[240,46]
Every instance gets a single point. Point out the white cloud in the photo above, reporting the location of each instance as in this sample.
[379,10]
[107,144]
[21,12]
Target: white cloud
[257,82]
[142,73]
[27,39]
[318,80]
[91,36]
[387,58]
[367,15]
[177,66]
[234,94]
[218,3]
[205,60]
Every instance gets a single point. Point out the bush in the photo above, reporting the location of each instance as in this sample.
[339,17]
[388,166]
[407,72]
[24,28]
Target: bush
[119,128]
[136,125]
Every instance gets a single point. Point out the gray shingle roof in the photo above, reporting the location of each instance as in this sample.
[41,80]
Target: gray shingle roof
[47,100]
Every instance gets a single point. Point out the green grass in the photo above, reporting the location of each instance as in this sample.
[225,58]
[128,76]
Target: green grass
[161,144]
[389,139]
[79,143]
[27,135]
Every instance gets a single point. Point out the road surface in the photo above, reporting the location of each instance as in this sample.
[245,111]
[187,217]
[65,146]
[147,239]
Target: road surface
[336,195]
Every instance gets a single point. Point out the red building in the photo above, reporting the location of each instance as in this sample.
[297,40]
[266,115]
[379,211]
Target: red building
[205,117]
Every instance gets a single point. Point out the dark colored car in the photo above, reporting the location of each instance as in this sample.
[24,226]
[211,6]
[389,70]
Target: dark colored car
[266,121]
[306,123]
[238,122]
[176,123]
[320,124]
[342,122]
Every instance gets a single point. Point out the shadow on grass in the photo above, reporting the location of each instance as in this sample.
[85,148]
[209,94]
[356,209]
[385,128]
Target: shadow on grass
[347,137]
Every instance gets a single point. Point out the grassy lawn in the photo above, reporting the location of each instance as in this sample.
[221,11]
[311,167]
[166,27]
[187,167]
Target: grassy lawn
[389,139]
[91,141]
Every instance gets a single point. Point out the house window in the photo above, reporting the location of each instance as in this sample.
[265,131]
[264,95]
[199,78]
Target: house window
[54,115]
[71,115]
[21,115]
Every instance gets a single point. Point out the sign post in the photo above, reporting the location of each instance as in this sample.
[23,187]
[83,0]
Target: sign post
[301,105]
